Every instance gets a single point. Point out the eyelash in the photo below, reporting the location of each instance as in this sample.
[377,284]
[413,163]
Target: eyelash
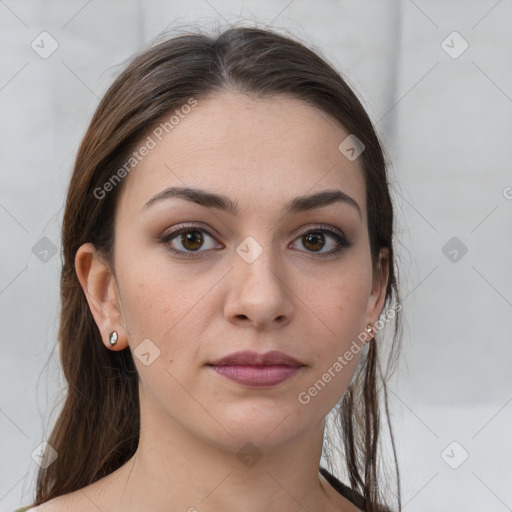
[342,242]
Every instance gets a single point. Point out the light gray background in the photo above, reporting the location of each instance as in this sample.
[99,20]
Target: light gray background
[447,126]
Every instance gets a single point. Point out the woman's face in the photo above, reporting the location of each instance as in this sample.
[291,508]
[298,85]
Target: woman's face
[249,279]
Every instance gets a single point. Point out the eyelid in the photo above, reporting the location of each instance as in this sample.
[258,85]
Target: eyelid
[321,227]
[192,226]
[197,226]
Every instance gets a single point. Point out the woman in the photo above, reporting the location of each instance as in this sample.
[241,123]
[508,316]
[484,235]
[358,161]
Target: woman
[227,265]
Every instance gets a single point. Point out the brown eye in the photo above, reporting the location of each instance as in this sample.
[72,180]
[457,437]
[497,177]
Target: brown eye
[192,240]
[313,241]
[187,241]
[324,241]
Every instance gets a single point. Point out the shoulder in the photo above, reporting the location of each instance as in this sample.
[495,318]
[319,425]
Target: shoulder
[60,504]
[91,498]
[45,507]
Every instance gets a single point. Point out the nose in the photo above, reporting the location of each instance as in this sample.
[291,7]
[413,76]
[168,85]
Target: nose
[260,295]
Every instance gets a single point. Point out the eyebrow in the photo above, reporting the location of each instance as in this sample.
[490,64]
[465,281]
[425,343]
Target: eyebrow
[221,202]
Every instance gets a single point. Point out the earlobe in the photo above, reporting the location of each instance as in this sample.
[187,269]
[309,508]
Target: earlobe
[99,286]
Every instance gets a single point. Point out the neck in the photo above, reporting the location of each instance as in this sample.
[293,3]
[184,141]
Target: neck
[173,469]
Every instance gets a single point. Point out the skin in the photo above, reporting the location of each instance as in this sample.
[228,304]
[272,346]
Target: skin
[261,153]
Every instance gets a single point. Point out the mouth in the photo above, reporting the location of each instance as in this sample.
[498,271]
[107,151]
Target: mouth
[257,370]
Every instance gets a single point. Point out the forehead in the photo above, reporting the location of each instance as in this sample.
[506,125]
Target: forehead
[261,151]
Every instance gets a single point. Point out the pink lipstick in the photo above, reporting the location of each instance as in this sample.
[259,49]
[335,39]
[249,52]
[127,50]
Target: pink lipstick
[252,369]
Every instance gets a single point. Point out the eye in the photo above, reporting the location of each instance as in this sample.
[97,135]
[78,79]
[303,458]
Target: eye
[187,240]
[325,237]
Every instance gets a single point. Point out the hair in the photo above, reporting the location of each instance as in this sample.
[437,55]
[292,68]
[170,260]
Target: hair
[97,430]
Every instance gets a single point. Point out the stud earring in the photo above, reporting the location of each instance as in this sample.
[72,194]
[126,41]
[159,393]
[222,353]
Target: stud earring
[369,329]
[113,338]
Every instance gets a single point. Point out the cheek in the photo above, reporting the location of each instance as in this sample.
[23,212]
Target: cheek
[164,302]
[342,303]
[344,314]
[335,348]
[154,301]
[340,307]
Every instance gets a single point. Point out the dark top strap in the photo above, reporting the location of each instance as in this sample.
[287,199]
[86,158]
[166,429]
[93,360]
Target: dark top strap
[344,490]
[349,493]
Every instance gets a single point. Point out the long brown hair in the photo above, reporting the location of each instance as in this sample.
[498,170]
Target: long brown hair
[97,430]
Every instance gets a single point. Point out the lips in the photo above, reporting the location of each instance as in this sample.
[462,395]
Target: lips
[251,358]
[255,370]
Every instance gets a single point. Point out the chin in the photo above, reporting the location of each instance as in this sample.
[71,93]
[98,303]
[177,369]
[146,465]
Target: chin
[265,431]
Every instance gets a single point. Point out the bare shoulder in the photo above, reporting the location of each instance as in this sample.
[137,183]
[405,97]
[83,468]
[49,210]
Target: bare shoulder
[91,498]
[61,504]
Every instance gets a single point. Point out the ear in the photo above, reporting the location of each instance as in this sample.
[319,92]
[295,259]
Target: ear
[380,282]
[100,288]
